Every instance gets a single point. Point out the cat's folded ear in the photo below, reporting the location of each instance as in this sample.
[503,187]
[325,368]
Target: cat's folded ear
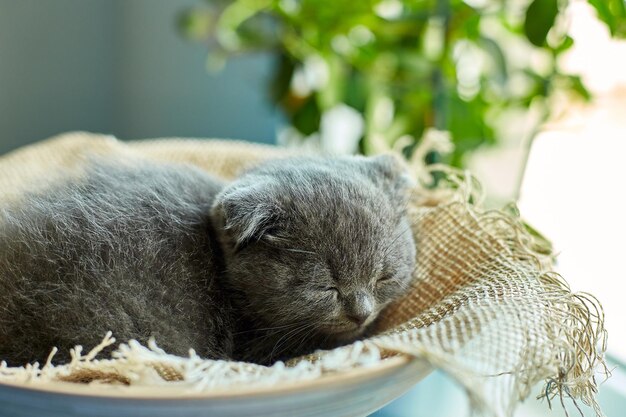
[244,213]
[390,173]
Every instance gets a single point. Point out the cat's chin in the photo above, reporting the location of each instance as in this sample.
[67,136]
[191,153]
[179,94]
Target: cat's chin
[349,336]
[345,334]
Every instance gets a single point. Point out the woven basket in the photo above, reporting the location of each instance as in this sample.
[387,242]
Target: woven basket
[484,307]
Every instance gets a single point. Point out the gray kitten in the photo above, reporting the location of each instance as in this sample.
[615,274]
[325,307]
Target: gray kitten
[295,255]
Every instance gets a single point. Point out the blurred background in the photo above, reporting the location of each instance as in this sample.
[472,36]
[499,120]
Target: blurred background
[530,95]
[121,67]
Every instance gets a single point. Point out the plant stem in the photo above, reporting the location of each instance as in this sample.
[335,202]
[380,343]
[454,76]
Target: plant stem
[528,144]
[439,85]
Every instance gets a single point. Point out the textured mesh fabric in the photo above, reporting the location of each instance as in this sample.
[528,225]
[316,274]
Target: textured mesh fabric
[484,306]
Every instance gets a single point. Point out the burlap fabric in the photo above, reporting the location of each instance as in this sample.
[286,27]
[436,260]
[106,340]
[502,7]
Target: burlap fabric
[484,306]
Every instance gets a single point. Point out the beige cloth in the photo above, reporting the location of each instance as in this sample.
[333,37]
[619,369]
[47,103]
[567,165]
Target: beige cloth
[484,306]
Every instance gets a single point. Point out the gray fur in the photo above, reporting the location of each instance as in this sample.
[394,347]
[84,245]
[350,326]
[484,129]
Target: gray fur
[294,255]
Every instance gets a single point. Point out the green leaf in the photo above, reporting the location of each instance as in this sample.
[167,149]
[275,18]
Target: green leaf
[195,24]
[497,55]
[472,27]
[540,243]
[566,44]
[356,91]
[467,124]
[613,14]
[233,16]
[604,13]
[540,17]
[576,84]
[307,118]
[284,68]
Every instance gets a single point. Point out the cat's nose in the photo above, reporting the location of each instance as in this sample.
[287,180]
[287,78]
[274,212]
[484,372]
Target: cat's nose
[358,318]
[359,307]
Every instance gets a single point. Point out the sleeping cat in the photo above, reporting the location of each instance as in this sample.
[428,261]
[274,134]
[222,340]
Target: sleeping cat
[295,255]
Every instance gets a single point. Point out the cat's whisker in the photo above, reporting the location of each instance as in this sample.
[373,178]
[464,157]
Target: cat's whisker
[301,251]
[390,246]
[296,250]
[262,329]
[305,337]
[288,336]
[305,334]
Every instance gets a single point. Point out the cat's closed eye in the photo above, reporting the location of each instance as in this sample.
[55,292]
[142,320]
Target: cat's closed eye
[384,279]
[329,290]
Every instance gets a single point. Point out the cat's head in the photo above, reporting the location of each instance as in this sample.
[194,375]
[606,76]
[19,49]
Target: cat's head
[317,244]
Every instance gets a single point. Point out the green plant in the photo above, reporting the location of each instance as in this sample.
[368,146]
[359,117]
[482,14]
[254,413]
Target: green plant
[406,66]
